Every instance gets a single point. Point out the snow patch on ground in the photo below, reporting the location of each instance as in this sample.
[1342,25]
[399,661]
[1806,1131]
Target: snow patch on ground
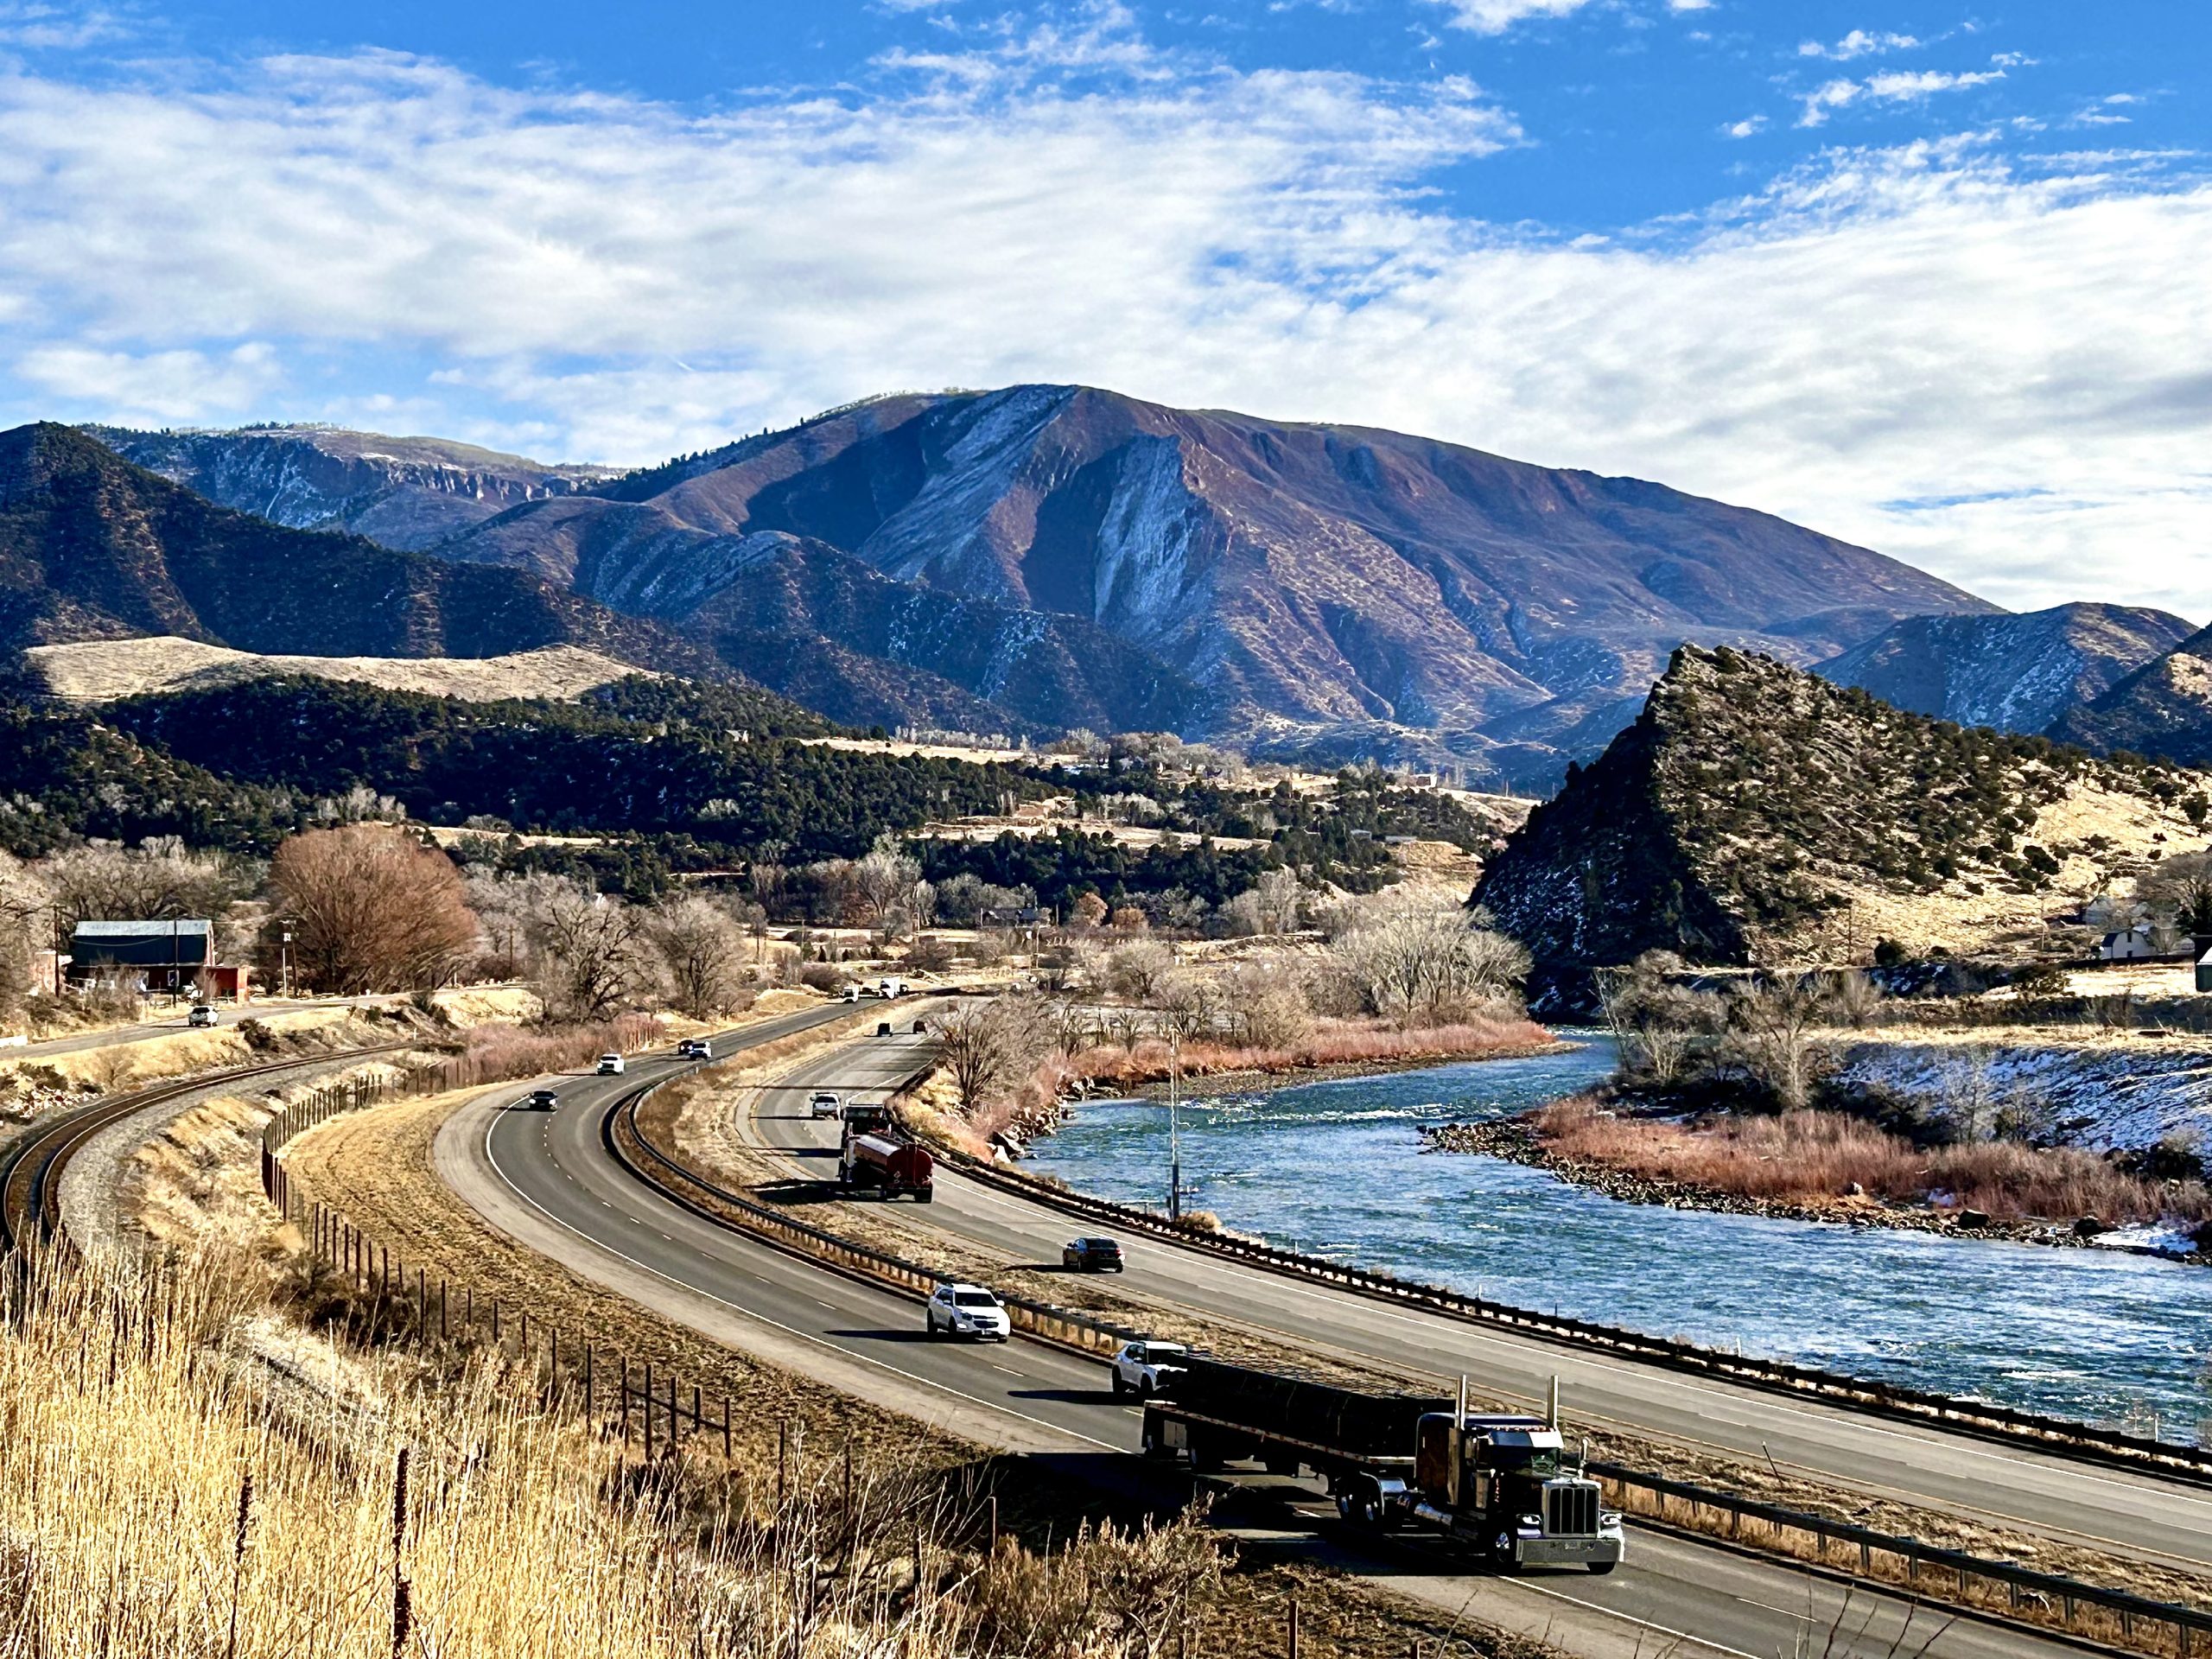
[2165,1238]
[2118,1095]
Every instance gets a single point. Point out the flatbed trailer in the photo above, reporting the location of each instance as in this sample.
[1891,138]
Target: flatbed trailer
[1499,1486]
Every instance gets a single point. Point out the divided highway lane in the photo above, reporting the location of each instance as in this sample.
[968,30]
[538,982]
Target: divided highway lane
[2129,1514]
[548,1180]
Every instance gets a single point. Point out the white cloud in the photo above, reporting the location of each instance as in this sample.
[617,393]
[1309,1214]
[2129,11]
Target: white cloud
[1746,127]
[1889,86]
[1858,43]
[39,27]
[1689,5]
[1496,16]
[154,386]
[2005,377]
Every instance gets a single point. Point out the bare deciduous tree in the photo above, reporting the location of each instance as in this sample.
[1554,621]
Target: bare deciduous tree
[1424,963]
[1771,1026]
[701,946]
[587,950]
[1657,1020]
[370,909]
[23,908]
[1138,970]
[1264,1000]
[157,881]
[885,879]
[987,1046]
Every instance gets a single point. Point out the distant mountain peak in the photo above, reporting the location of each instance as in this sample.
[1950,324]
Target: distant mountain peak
[2016,673]
[406,493]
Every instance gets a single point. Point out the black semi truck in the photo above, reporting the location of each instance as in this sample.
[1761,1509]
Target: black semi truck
[1503,1486]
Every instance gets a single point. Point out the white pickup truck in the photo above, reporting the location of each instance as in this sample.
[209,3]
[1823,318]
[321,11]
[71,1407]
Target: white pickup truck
[1145,1367]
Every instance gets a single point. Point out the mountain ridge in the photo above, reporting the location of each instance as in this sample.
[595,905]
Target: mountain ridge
[92,546]
[1289,585]
[2017,673]
[1755,813]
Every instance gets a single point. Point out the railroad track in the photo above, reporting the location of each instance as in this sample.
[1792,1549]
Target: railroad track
[32,1166]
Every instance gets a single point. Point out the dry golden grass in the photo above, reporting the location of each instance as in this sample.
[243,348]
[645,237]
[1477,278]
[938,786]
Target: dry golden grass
[182,1484]
[102,670]
[1809,1158]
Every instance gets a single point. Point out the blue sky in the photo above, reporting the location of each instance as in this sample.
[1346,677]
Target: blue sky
[1928,277]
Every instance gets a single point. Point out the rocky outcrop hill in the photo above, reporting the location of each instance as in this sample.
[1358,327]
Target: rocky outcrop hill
[2017,673]
[1757,813]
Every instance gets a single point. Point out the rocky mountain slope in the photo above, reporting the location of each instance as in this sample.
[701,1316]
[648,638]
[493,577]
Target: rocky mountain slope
[2017,673]
[2164,709]
[405,493]
[1756,813]
[1091,557]
[94,548]
[827,627]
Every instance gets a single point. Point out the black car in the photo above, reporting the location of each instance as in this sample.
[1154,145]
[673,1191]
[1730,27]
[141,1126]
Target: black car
[1091,1255]
[542,1100]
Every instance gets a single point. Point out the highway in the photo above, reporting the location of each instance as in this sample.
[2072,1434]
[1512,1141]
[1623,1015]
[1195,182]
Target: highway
[178,1020]
[2126,1513]
[547,1179]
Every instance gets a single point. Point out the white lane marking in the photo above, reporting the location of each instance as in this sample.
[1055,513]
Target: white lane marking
[492,1158]
[1014,1373]
[1736,1398]
[1641,1623]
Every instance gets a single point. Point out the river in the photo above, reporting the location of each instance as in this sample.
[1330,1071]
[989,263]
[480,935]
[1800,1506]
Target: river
[1336,1168]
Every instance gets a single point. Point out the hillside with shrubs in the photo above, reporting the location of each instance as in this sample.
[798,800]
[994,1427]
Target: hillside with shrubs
[1755,813]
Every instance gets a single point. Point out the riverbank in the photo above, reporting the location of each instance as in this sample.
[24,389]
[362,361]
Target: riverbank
[1335,1049]
[1827,1166]
[1338,1052]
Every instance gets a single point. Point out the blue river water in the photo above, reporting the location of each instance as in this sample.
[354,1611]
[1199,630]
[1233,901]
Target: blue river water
[1336,1168]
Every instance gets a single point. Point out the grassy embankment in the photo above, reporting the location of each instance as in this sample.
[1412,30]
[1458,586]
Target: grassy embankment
[1332,1043]
[191,1481]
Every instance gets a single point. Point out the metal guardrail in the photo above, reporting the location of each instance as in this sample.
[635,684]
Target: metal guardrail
[2030,1596]
[1044,1320]
[2089,1611]
[1979,1418]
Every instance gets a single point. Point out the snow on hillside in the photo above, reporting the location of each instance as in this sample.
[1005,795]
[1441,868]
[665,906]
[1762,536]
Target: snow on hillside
[2116,1093]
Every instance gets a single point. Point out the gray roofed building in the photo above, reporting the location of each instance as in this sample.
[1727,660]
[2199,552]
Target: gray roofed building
[180,944]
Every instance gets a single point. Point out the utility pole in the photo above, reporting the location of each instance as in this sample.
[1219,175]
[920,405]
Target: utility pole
[1174,1126]
[284,946]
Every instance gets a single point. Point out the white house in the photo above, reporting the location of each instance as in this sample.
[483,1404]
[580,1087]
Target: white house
[2133,945]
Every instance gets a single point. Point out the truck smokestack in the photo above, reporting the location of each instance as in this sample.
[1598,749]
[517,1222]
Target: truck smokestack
[1551,1410]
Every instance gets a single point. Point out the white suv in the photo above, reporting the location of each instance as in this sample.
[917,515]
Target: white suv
[1146,1368]
[968,1310]
[610,1065]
